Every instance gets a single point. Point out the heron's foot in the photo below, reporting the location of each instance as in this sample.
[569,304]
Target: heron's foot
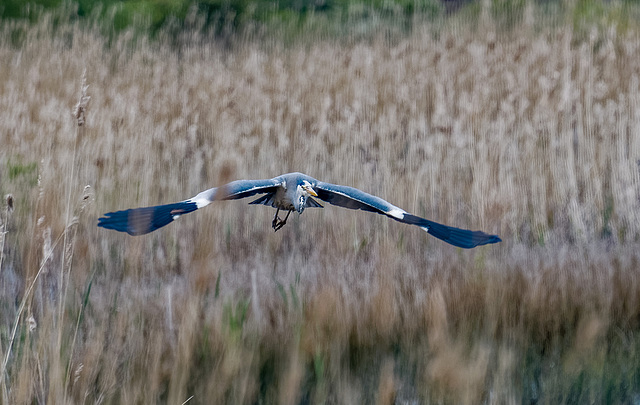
[278,223]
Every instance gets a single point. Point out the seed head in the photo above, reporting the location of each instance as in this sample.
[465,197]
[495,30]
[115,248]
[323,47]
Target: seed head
[81,107]
[9,199]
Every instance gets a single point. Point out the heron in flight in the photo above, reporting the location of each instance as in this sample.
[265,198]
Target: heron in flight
[288,192]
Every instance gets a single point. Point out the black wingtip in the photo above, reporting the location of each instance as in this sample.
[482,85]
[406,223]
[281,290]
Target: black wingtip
[140,221]
[480,238]
[463,238]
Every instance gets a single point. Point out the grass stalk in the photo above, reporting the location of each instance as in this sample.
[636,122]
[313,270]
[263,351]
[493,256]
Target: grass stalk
[22,305]
[79,112]
[3,235]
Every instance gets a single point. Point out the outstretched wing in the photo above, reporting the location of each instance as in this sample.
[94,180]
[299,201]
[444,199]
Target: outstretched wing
[355,199]
[140,221]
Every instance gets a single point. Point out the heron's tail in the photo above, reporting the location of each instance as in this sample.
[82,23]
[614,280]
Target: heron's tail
[463,238]
[139,221]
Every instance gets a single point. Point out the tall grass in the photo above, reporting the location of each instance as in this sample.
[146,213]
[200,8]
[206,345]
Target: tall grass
[529,133]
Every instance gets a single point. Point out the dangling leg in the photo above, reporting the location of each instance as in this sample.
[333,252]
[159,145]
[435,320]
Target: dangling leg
[274,223]
[278,223]
[285,219]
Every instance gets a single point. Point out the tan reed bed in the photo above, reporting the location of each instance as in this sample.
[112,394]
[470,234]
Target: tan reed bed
[531,134]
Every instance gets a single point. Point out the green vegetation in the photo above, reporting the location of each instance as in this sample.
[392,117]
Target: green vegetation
[223,17]
[291,19]
[22,171]
[524,129]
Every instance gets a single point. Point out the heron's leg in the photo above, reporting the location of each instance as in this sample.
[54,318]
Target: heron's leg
[279,223]
[275,221]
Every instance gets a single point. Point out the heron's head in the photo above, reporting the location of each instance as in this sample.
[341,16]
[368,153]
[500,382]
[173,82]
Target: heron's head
[303,192]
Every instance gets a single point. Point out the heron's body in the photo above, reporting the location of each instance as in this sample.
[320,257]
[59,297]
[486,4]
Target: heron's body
[288,192]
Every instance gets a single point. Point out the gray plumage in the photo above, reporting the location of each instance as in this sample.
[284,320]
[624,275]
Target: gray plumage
[288,192]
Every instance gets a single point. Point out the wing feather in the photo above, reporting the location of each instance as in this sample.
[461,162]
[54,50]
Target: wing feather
[236,190]
[353,198]
[140,221]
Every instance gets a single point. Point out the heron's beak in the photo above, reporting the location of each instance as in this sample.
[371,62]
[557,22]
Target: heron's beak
[311,191]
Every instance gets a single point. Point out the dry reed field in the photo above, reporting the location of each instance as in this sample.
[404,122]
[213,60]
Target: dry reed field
[530,133]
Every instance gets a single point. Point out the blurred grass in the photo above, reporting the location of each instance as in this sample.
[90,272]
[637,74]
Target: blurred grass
[527,130]
[295,20]
[227,17]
